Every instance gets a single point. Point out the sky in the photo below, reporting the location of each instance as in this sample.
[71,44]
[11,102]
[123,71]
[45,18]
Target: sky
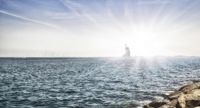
[99,28]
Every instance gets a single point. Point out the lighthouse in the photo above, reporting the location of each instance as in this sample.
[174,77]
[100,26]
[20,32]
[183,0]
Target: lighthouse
[127,52]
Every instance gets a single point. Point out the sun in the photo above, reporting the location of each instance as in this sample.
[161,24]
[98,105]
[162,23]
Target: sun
[142,41]
[145,42]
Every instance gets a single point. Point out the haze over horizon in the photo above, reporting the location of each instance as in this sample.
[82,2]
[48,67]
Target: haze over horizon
[99,28]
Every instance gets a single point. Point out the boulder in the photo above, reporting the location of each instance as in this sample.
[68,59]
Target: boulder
[187,96]
[155,105]
[189,87]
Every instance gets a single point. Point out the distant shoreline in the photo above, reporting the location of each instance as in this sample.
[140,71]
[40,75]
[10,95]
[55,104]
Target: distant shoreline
[98,57]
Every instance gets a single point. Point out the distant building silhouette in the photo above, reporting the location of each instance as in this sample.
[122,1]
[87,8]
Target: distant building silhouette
[127,52]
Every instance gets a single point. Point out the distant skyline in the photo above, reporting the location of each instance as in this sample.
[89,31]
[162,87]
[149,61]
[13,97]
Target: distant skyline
[99,28]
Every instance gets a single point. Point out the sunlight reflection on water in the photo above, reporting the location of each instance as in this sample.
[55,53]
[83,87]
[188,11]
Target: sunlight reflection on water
[88,82]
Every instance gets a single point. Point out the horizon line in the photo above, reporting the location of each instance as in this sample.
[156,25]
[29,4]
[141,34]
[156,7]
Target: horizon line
[94,56]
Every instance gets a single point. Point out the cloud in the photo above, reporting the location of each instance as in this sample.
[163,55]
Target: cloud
[29,19]
[79,10]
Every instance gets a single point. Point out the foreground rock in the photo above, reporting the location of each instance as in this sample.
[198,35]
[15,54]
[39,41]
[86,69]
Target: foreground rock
[187,96]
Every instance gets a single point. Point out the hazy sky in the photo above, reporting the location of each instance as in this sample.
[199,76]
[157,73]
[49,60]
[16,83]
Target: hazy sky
[99,27]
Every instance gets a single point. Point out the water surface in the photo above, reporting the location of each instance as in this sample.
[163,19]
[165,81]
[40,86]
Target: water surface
[91,82]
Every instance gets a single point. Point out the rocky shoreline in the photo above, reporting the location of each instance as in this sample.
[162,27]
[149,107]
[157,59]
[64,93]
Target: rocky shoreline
[188,96]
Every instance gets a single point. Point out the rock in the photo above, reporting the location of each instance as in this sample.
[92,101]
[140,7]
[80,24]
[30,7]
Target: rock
[187,96]
[190,87]
[173,103]
[174,95]
[184,89]
[181,101]
[193,99]
[155,104]
[193,104]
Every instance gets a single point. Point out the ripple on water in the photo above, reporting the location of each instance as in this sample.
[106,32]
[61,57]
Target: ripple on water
[90,82]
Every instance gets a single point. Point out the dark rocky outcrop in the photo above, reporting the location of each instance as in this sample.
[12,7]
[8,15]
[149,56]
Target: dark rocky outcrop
[187,96]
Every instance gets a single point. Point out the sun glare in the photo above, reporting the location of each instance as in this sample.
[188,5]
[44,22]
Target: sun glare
[145,42]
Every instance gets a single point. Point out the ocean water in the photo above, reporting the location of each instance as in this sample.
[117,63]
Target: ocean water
[91,82]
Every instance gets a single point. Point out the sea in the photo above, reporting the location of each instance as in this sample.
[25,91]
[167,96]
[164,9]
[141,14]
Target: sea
[92,82]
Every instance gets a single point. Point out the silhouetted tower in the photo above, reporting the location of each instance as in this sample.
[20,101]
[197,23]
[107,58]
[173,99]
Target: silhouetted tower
[127,52]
